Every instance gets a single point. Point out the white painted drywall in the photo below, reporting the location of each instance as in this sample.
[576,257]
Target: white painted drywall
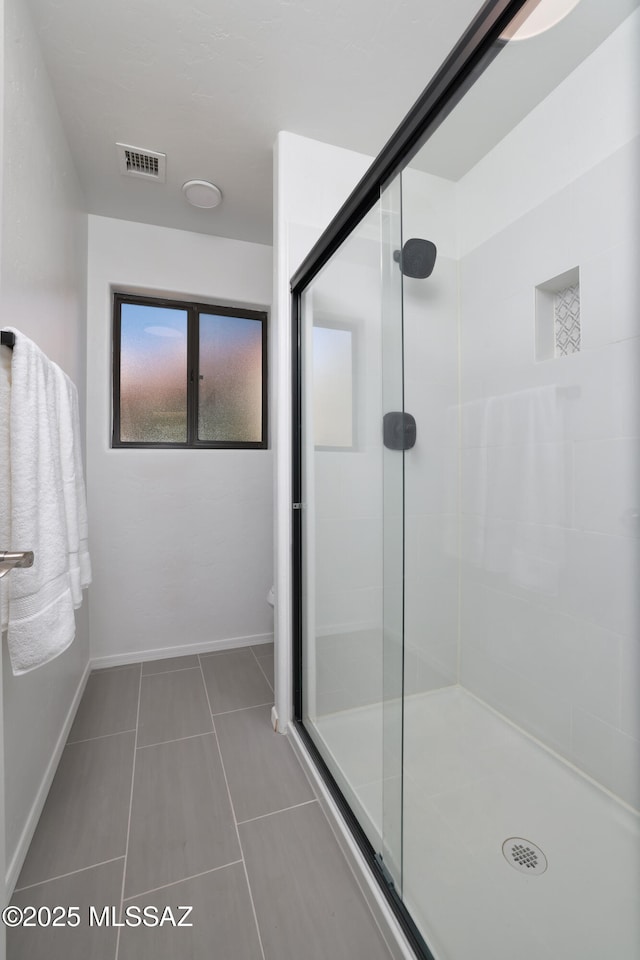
[550,548]
[181,540]
[43,294]
[311,182]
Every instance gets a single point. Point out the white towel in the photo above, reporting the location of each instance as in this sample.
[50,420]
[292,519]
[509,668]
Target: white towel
[538,538]
[516,501]
[5,475]
[75,500]
[41,620]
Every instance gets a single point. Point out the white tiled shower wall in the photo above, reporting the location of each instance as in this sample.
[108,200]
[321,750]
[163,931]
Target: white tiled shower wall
[550,450]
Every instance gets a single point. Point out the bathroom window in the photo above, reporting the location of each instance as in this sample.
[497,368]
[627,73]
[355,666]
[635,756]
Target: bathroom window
[188,375]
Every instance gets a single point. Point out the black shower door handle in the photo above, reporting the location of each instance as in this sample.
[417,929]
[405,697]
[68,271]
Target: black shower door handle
[399,430]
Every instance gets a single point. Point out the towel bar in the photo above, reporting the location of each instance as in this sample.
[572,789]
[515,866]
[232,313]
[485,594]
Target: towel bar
[9,560]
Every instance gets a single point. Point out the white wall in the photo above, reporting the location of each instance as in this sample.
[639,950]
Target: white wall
[181,540]
[42,293]
[550,546]
[311,182]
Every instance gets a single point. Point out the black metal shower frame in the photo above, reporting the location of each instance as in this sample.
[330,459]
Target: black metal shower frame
[471,56]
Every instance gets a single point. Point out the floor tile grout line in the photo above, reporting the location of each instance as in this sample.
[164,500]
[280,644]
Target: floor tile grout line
[253,652]
[227,650]
[71,873]
[173,883]
[102,736]
[257,660]
[161,743]
[272,813]
[254,706]
[235,822]
[255,657]
[133,778]
[163,673]
[223,653]
[246,872]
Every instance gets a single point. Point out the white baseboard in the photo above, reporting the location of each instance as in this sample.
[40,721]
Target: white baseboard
[183,650]
[15,865]
[390,929]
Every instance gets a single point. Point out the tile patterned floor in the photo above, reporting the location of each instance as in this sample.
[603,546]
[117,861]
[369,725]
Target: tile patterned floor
[174,791]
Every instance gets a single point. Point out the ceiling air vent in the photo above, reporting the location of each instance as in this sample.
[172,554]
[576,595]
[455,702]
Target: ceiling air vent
[136,162]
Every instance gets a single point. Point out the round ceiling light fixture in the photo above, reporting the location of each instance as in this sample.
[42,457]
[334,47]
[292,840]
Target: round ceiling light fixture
[536,17]
[201,193]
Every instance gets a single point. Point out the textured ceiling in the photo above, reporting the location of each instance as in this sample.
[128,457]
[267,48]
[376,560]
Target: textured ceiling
[211,82]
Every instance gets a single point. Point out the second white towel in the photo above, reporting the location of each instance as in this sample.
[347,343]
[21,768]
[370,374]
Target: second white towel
[75,502]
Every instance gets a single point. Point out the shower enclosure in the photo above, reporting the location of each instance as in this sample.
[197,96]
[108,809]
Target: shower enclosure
[467,515]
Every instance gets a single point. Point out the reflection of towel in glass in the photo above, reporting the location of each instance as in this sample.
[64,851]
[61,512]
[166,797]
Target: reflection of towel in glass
[521,490]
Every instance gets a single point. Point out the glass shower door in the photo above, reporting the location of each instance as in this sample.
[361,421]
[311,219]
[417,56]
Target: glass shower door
[393,442]
[352,525]
[469,594]
[521,722]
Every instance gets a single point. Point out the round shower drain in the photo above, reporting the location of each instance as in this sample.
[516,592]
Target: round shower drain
[524,856]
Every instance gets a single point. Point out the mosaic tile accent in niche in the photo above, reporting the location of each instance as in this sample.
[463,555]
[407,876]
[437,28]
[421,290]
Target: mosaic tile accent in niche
[566,313]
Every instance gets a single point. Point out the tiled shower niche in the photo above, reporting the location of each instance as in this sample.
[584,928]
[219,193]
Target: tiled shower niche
[558,316]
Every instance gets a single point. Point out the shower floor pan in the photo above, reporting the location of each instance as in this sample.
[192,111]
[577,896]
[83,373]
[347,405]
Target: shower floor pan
[473,781]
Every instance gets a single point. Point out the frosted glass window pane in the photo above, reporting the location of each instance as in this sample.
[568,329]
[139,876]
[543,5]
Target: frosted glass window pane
[332,387]
[230,386]
[153,374]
